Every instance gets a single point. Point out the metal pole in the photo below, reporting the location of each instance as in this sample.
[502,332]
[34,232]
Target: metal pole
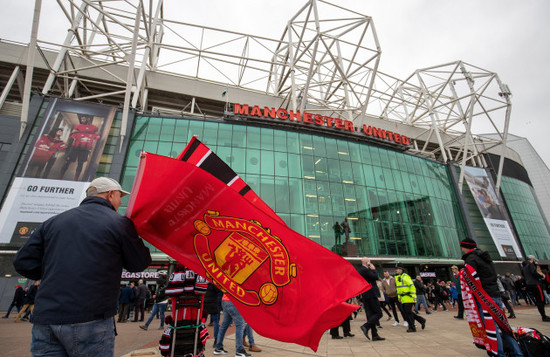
[7,89]
[30,68]
[64,49]
[129,79]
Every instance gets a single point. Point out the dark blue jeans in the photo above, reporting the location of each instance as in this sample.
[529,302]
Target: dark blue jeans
[93,338]
[157,308]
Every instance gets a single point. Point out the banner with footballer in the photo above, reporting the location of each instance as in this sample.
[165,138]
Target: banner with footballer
[62,158]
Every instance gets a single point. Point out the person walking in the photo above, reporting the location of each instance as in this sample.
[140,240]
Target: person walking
[533,281]
[231,315]
[125,299]
[139,301]
[28,302]
[407,296]
[510,289]
[370,300]
[456,281]
[79,256]
[17,301]
[160,302]
[420,295]
[389,288]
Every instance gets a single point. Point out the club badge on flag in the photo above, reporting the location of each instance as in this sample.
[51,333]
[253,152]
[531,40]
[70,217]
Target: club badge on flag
[270,272]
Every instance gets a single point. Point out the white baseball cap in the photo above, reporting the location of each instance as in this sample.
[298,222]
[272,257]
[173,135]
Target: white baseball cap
[104,184]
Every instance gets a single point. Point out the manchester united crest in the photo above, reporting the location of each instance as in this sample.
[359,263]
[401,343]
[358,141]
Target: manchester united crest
[243,258]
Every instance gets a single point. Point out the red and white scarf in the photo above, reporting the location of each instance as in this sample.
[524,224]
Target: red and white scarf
[484,335]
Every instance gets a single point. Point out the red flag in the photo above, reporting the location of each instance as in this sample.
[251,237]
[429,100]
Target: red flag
[286,286]
[200,155]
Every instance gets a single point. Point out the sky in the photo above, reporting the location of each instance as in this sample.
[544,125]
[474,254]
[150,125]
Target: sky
[508,37]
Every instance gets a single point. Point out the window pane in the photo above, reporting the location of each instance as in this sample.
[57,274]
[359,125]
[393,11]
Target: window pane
[167,131]
[181,131]
[252,161]
[153,129]
[267,163]
[281,164]
[253,137]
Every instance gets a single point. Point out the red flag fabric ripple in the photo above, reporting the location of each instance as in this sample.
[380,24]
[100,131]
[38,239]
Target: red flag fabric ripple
[286,286]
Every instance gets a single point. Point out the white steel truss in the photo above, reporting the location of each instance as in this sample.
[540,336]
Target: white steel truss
[326,59]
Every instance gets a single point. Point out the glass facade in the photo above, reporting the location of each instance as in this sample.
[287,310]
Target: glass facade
[526,215]
[397,204]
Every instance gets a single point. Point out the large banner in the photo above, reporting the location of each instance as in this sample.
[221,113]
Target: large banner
[493,212]
[61,161]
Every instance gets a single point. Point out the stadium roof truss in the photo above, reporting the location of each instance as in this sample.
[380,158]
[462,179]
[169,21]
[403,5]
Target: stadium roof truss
[326,60]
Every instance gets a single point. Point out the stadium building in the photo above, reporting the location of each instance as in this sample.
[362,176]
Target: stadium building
[307,120]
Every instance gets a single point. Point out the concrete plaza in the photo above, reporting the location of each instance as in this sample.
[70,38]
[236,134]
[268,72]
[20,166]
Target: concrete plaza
[443,336]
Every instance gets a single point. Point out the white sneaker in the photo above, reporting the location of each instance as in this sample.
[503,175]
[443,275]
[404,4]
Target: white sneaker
[406,324]
[395,323]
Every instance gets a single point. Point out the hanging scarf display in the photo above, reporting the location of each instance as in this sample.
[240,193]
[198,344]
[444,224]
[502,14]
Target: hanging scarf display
[484,334]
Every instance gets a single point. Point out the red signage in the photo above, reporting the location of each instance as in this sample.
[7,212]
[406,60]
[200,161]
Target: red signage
[318,120]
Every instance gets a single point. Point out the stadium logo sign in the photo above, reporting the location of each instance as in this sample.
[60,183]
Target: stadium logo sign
[318,120]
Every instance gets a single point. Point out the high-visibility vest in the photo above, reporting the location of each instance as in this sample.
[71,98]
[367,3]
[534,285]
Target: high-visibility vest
[405,288]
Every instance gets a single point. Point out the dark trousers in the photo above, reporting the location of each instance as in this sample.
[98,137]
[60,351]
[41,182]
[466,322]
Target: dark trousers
[410,316]
[373,312]
[536,292]
[460,306]
[140,308]
[123,312]
[345,326]
[393,301]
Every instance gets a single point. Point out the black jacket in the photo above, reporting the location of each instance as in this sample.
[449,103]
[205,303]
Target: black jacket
[78,255]
[483,264]
[370,276]
[18,297]
[529,271]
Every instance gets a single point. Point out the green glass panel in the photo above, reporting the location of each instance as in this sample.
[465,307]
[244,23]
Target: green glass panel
[253,161]
[267,138]
[319,145]
[346,172]
[210,136]
[195,128]
[237,160]
[282,195]
[167,130]
[334,171]
[253,137]
[281,164]
[293,142]
[267,189]
[308,167]
[355,152]
[295,165]
[140,128]
[306,144]
[296,196]
[225,132]
[239,136]
[164,149]
[267,163]
[181,131]
[153,129]
[279,141]
[331,148]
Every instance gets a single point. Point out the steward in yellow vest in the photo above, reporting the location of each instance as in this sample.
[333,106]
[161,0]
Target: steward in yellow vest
[406,292]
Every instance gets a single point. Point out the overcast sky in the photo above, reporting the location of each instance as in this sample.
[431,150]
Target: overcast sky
[508,37]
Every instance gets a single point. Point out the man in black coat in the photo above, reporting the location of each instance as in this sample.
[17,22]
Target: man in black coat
[79,256]
[370,300]
[533,280]
[17,301]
